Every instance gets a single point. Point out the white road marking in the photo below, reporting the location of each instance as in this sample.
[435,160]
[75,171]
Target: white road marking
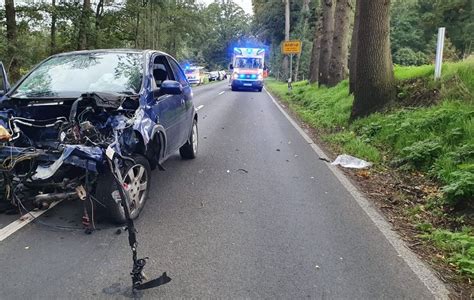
[221,92]
[23,221]
[199,107]
[432,283]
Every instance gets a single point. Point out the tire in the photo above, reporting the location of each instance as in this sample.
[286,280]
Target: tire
[233,88]
[259,89]
[138,188]
[190,149]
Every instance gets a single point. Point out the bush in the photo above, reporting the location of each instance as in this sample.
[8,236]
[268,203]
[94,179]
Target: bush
[408,57]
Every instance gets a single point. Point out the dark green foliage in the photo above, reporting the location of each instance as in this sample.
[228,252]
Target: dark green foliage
[408,57]
[414,26]
[186,29]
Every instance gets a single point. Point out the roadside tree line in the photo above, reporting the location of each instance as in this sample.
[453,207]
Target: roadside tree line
[359,40]
[186,29]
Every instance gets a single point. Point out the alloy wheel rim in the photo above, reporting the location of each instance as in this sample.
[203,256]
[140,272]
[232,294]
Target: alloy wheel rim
[194,138]
[136,181]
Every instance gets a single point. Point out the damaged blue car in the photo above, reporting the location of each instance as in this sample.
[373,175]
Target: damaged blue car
[81,123]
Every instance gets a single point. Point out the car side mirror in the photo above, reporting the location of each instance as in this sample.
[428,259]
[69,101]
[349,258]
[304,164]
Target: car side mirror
[231,67]
[171,87]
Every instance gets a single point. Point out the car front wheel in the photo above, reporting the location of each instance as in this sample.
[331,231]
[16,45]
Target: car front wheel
[190,149]
[136,181]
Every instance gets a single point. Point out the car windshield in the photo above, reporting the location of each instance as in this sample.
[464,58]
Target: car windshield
[190,72]
[248,62]
[73,75]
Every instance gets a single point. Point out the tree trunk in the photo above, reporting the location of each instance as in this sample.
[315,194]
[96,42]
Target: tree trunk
[137,24]
[287,38]
[326,40]
[353,51]
[84,26]
[98,15]
[304,12]
[316,51]
[52,45]
[375,84]
[338,63]
[13,64]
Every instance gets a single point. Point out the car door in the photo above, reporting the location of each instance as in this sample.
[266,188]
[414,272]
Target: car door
[167,107]
[187,110]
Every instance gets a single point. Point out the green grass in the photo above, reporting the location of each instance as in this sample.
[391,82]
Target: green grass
[458,245]
[437,140]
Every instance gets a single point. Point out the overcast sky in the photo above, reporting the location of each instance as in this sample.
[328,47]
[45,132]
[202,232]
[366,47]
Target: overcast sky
[245,4]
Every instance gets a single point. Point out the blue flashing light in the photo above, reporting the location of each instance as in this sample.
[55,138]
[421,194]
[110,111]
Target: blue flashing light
[249,50]
[254,76]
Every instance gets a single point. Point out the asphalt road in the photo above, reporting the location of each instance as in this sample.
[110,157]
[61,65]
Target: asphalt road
[256,215]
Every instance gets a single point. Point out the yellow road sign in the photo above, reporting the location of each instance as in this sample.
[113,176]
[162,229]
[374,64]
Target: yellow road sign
[291,47]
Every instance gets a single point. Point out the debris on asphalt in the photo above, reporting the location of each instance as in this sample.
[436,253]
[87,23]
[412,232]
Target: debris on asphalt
[324,159]
[243,171]
[348,161]
[118,231]
[287,160]
[228,171]
[317,267]
[296,155]
[312,177]
[205,137]
[27,247]
[201,171]
[278,150]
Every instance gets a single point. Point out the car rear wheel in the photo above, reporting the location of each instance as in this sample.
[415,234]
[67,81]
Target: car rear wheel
[136,177]
[190,149]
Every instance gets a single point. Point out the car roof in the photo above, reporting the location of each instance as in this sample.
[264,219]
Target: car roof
[119,50]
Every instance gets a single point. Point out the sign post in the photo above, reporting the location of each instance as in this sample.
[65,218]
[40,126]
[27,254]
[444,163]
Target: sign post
[439,53]
[290,48]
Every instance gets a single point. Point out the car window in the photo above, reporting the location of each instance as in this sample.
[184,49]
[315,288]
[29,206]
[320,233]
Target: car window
[162,70]
[179,74]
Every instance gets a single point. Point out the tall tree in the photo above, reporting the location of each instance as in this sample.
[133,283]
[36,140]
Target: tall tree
[326,40]
[316,50]
[305,16]
[287,36]
[338,63]
[52,44]
[353,50]
[82,41]
[10,14]
[375,83]
[99,11]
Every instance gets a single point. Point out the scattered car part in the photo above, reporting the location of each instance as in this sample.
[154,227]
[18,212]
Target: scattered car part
[138,263]
[348,161]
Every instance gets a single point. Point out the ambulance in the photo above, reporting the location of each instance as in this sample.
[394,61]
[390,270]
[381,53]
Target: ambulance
[247,68]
